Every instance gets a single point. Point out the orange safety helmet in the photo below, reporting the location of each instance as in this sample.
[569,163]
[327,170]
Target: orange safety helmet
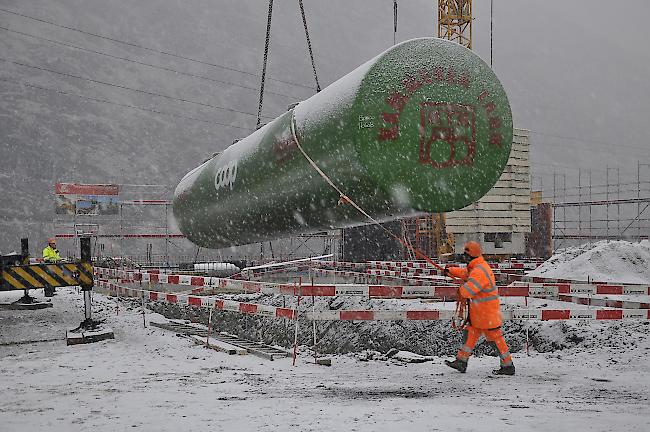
[473,249]
[51,240]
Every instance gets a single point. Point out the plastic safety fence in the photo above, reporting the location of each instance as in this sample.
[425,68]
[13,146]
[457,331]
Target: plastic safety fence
[417,265]
[537,279]
[423,265]
[585,288]
[518,314]
[508,315]
[340,265]
[556,291]
[371,277]
[325,290]
[198,301]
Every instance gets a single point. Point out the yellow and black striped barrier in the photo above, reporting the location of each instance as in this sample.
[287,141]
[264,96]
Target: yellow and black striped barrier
[46,275]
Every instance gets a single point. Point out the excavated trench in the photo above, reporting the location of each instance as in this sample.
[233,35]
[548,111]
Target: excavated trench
[429,338]
[337,337]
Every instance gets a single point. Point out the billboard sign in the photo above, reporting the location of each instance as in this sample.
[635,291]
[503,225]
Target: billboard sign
[86,189]
[86,199]
[65,205]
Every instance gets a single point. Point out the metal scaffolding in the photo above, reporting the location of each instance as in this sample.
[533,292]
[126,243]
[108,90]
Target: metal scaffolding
[584,210]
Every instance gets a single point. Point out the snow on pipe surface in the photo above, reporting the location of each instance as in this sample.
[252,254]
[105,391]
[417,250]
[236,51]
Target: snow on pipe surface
[423,127]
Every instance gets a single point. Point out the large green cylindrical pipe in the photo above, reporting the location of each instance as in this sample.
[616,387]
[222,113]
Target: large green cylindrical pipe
[423,127]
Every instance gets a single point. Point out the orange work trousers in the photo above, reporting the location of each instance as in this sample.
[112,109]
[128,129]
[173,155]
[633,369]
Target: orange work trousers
[493,335]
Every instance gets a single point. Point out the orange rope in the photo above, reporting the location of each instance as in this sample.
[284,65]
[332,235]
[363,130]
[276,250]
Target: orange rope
[346,199]
[461,308]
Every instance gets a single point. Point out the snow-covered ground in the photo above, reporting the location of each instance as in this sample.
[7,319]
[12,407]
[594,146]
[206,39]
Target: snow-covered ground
[150,379]
[605,261]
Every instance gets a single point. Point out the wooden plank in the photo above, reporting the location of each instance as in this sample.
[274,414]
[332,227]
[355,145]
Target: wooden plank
[219,345]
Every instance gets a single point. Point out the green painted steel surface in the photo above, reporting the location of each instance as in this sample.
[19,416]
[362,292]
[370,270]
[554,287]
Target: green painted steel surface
[423,127]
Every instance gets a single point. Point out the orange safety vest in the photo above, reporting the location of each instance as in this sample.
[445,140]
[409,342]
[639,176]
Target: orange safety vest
[479,286]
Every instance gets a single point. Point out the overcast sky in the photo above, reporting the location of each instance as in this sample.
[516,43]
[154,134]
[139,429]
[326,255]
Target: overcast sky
[576,72]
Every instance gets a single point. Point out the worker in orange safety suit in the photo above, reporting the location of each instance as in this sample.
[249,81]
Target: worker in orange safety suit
[479,288]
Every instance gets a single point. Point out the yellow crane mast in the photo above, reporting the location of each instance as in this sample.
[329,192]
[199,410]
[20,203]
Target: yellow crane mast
[455,21]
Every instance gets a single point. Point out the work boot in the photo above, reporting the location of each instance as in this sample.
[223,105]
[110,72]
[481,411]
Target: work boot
[459,365]
[504,370]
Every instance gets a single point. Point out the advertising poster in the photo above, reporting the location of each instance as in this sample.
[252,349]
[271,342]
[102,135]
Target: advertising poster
[86,199]
[65,205]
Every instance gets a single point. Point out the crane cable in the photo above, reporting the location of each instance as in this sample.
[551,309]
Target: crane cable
[311,53]
[344,199]
[460,320]
[394,21]
[266,55]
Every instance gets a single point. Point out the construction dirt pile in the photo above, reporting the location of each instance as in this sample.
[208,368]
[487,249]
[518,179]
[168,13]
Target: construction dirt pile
[614,261]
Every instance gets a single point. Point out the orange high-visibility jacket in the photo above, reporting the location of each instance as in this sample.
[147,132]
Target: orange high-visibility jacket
[479,286]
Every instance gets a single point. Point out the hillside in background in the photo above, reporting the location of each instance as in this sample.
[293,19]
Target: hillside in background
[48,133]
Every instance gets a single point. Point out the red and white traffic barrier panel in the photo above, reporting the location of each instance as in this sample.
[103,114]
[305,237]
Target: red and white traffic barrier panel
[228,283]
[548,290]
[364,276]
[538,279]
[576,314]
[594,288]
[508,315]
[371,315]
[603,302]
[430,271]
[200,301]
[340,273]
[339,264]
[401,264]
[509,265]
[177,279]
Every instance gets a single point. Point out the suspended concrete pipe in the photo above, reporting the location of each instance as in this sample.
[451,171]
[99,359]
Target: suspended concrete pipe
[423,127]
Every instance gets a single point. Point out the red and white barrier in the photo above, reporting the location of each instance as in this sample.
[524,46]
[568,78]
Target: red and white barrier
[557,291]
[377,277]
[508,315]
[511,265]
[199,301]
[370,315]
[603,302]
[585,288]
[340,265]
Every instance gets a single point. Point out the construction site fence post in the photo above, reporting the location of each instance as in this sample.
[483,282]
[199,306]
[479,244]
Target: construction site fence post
[295,332]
